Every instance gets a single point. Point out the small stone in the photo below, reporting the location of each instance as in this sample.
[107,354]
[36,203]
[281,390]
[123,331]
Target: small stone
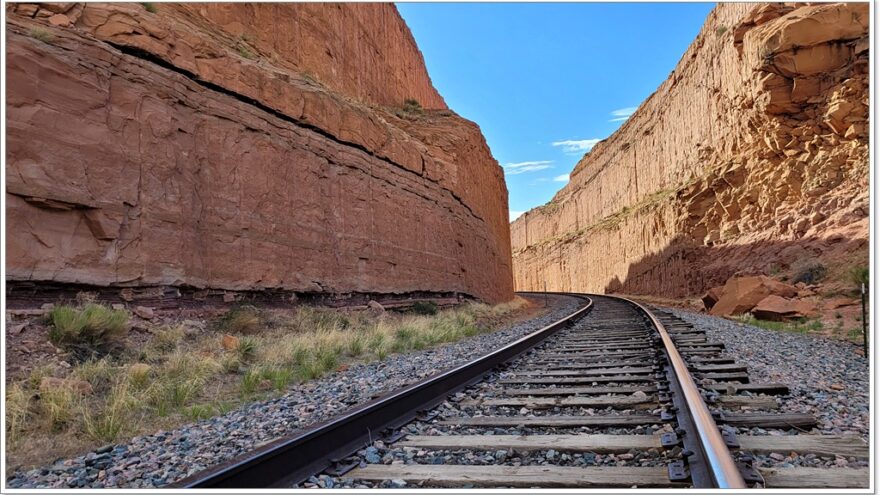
[398,483]
[18,328]
[144,312]
[230,342]
[777,456]
[371,455]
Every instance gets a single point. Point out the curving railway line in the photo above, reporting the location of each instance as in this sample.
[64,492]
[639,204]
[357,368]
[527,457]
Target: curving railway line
[614,395]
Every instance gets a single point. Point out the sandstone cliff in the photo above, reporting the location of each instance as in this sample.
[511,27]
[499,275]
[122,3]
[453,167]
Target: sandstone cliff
[241,147]
[752,155]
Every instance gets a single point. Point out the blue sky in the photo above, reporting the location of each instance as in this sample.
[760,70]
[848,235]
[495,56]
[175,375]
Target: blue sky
[546,81]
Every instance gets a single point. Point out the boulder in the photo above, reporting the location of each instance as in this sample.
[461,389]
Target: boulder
[740,294]
[777,308]
[50,383]
[711,297]
[840,302]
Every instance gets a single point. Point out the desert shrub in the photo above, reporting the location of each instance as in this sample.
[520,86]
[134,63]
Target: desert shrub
[58,406]
[246,350]
[808,271]
[199,412]
[230,363]
[149,7]
[106,424]
[412,105]
[356,345]
[241,319]
[38,373]
[180,380]
[90,330]
[167,339]
[424,308]
[250,382]
[98,372]
[40,34]
[801,325]
[139,376]
[17,408]
[859,275]
[243,49]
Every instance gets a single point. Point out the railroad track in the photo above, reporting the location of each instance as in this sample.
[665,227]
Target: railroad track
[612,396]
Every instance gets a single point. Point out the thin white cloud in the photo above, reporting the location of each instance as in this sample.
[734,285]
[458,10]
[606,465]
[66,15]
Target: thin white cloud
[527,164]
[515,214]
[622,114]
[576,146]
[561,178]
[524,167]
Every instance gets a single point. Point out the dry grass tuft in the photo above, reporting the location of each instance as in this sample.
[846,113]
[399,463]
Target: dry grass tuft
[177,378]
[245,320]
[90,330]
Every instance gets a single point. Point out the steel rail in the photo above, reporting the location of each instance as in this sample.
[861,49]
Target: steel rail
[712,449]
[292,459]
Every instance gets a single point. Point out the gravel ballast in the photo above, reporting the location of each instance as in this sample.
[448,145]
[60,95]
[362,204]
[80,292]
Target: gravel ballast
[826,377]
[159,459]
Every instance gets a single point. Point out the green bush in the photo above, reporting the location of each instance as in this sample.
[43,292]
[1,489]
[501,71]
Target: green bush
[860,275]
[149,7]
[89,330]
[424,308]
[412,105]
[247,349]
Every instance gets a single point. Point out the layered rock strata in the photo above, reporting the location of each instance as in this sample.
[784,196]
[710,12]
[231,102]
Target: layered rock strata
[752,155]
[242,147]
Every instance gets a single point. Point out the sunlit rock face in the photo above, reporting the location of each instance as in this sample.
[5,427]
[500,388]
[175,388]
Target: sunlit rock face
[242,147]
[752,155]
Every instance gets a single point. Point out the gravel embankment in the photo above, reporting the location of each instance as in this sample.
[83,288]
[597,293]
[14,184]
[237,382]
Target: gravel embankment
[826,377]
[159,459]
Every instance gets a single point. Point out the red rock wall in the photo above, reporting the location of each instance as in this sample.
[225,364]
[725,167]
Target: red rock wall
[751,156]
[364,51]
[161,149]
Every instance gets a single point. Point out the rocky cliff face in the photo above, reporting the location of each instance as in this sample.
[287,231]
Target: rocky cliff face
[751,156]
[241,147]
